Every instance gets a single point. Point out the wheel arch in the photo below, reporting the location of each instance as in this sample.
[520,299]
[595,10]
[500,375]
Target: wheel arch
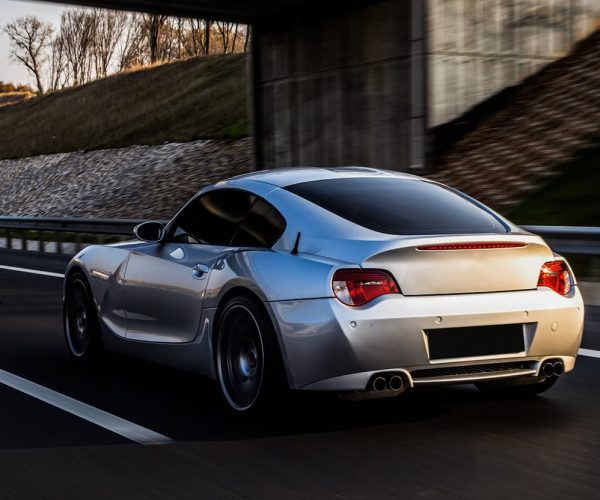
[244,291]
[75,268]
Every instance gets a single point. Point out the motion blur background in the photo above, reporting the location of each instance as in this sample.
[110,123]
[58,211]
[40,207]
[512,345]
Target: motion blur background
[107,116]
[126,114]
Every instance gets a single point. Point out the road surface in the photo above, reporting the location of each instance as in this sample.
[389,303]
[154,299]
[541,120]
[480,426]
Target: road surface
[435,443]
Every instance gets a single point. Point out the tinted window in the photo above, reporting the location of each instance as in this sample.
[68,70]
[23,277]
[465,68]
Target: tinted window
[213,217]
[399,206]
[261,228]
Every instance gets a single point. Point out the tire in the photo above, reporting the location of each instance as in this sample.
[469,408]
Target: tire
[519,390]
[247,357]
[81,325]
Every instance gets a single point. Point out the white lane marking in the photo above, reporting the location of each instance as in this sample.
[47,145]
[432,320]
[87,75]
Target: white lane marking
[32,271]
[589,352]
[94,415]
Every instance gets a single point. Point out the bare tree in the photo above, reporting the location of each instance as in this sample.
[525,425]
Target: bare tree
[233,37]
[180,22]
[208,27]
[108,28]
[59,71]
[247,35]
[154,24]
[77,31]
[131,50]
[199,36]
[29,38]
[168,41]
[193,42]
[223,28]
[92,43]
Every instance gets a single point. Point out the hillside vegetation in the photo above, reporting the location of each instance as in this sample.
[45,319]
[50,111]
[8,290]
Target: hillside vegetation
[570,198]
[536,157]
[11,98]
[177,102]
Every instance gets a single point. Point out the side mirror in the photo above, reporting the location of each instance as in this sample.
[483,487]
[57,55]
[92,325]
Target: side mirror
[149,231]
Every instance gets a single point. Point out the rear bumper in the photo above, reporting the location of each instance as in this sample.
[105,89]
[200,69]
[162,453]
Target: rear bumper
[329,346]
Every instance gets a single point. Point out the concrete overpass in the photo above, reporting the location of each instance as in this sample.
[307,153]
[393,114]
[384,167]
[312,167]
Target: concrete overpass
[331,82]
[249,11]
[342,82]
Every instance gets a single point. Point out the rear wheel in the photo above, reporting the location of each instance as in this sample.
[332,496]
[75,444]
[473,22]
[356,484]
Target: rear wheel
[517,388]
[82,330]
[247,358]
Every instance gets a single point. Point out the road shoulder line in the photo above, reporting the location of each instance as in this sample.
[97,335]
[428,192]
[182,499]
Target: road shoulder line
[32,271]
[87,412]
[589,352]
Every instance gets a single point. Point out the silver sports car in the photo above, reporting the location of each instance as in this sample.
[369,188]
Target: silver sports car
[360,281]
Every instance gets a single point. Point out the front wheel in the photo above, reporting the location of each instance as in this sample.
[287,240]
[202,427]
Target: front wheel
[517,388]
[82,330]
[247,357]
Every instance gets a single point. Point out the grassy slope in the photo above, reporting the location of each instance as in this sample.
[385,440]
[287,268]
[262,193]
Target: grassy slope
[572,198]
[176,102]
[12,98]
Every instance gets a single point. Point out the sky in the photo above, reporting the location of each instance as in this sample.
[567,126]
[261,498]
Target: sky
[11,9]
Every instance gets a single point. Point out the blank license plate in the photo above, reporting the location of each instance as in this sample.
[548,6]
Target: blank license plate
[475,341]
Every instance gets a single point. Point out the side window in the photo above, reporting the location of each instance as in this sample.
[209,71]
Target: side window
[213,217]
[262,227]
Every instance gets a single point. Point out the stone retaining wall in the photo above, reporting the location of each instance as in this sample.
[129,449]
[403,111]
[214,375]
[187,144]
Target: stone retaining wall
[134,182]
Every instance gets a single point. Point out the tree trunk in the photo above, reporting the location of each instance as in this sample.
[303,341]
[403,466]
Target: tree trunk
[38,82]
[247,40]
[208,26]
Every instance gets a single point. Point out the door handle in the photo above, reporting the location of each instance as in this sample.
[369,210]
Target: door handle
[200,271]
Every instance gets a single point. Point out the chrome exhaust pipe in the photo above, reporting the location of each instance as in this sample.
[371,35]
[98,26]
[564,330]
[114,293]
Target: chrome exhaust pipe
[548,370]
[558,368]
[379,384]
[396,383]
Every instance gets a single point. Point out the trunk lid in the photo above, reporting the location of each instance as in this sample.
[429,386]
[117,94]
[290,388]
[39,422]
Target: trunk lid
[463,264]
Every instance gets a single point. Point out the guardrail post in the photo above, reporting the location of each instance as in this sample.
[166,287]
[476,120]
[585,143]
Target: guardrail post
[42,230]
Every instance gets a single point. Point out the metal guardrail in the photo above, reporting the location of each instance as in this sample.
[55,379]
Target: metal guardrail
[570,240]
[563,239]
[60,230]
[70,224]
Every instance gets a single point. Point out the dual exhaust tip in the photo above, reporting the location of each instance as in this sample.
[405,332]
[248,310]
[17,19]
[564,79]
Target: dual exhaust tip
[395,382]
[552,368]
[391,382]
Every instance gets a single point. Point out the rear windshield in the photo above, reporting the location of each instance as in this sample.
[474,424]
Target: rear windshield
[399,206]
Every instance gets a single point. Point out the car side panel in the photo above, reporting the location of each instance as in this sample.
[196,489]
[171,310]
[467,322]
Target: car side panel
[195,356]
[270,275]
[104,268]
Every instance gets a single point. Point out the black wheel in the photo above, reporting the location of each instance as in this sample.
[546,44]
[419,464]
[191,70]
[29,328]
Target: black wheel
[247,358]
[517,388]
[82,330]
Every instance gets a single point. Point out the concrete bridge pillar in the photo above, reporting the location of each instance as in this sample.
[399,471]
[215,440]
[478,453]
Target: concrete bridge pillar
[344,88]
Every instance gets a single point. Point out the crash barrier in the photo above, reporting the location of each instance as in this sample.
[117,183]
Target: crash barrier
[61,235]
[70,234]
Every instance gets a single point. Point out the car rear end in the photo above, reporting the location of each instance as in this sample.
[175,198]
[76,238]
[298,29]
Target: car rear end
[456,294]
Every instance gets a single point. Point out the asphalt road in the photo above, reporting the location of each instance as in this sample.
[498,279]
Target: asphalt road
[434,443]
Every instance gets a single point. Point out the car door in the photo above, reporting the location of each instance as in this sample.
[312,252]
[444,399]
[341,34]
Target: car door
[165,282]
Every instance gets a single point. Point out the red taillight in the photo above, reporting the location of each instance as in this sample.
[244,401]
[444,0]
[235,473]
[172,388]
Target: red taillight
[355,287]
[555,275]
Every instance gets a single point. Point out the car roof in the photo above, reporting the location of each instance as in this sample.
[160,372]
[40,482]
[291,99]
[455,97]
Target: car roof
[283,177]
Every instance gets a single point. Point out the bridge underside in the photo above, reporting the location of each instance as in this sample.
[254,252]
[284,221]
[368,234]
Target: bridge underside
[331,83]
[248,11]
